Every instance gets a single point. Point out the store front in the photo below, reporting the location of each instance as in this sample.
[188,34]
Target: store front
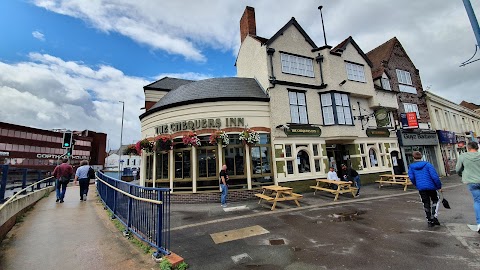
[447,140]
[426,142]
[194,137]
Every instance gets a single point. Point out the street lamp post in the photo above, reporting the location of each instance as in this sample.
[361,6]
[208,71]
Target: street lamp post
[121,137]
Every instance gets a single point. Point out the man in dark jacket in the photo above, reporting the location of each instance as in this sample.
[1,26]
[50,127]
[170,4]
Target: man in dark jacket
[426,180]
[351,175]
[62,174]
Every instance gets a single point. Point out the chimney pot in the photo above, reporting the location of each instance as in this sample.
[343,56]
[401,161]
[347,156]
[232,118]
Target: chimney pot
[247,23]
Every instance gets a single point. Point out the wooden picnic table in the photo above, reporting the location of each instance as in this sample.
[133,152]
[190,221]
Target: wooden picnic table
[399,179]
[281,194]
[342,187]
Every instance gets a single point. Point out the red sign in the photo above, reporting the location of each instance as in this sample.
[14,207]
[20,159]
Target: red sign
[412,120]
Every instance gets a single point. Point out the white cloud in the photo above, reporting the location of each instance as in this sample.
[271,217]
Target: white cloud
[38,35]
[187,76]
[48,92]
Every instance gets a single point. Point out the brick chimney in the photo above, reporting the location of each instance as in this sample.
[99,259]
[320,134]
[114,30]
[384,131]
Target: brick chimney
[247,23]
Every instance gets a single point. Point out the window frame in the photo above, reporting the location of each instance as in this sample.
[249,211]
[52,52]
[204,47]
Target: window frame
[355,67]
[334,109]
[296,92]
[308,60]
[405,105]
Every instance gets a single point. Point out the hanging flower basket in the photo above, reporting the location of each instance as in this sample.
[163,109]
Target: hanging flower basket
[191,139]
[249,137]
[163,143]
[219,137]
[130,150]
[144,145]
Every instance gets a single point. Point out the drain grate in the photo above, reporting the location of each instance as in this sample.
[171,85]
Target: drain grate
[277,242]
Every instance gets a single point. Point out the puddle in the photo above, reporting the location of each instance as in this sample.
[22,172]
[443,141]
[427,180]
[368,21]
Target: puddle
[347,216]
[276,242]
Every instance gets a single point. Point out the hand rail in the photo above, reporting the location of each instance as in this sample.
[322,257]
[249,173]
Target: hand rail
[130,195]
[19,192]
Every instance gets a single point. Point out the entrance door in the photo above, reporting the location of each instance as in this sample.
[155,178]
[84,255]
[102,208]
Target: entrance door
[337,155]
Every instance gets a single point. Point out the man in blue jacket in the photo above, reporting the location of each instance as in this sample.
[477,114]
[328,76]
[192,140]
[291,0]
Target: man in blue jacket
[426,180]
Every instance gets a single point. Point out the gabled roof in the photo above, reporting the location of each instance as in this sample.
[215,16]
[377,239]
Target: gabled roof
[285,27]
[383,53]
[211,90]
[166,84]
[343,45]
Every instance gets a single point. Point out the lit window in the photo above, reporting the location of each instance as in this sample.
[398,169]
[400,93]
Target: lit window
[355,72]
[297,65]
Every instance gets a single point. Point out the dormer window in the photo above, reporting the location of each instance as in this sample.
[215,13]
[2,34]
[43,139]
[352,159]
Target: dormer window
[355,72]
[386,84]
[297,65]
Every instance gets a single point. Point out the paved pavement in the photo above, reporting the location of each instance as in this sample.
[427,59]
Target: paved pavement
[72,235]
[383,229]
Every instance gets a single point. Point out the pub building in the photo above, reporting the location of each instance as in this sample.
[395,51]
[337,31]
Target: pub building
[33,148]
[313,107]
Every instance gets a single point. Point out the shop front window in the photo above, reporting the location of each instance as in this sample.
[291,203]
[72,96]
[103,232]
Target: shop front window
[207,162]
[261,160]
[162,166]
[373,157]
[303,161]
[182,164]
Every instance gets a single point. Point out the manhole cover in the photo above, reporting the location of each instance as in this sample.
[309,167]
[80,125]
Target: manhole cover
[277,242]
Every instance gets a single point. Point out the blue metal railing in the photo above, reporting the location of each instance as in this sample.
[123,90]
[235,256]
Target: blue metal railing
[13,179]
[144,211]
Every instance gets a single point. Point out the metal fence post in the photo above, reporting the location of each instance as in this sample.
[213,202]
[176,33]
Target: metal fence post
[114,206]
[39,174]
[130,205]
[159,229]
[3,183]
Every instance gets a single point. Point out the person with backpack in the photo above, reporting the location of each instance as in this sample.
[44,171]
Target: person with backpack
[62,174]
[426,180]
[82,176]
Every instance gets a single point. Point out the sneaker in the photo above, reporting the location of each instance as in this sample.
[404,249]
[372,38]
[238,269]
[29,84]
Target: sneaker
[57,200]
[436,222]
[61,201]
[358,195]
[224,205]
[431,224]
[475,228]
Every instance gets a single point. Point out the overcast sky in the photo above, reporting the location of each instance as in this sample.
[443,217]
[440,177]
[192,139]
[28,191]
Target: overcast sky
[68,63]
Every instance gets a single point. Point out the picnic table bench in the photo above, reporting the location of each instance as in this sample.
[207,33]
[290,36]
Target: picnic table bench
[281,194]
[394,179]
[341,187]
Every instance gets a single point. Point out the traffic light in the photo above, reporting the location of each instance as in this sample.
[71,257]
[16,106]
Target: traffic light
[69,152]
[67,140]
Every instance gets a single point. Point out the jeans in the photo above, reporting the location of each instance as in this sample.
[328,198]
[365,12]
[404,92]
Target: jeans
[61,188]
[224,193]
[356,179]
[475,190]
[83,182]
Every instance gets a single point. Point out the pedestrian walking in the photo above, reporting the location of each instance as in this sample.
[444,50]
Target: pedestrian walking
[224,185]
[426,180]
[468,166]
[81,175]
[352,175]
[62,174]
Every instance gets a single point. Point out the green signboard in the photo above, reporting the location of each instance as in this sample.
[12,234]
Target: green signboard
[306,130]
[382,117]
[378,132]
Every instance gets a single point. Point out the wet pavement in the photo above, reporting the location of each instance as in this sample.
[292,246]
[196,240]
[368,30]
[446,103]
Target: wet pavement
[383,229]
[72,235]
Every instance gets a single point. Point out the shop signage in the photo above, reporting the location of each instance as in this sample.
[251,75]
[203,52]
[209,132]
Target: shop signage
[382,118]
[446,137]
[417,138]
[4,154]
[409,120]
[198,124]
[303,130]
[50,156]
[378,132]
